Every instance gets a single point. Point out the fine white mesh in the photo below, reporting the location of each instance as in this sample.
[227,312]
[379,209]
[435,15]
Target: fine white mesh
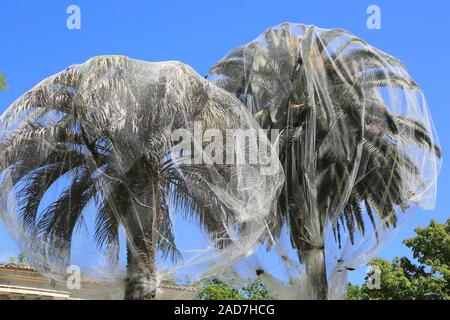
[118,156]
[356,141]
[119,147]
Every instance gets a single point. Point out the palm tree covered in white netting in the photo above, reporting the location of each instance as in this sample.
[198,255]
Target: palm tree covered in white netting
[356,139]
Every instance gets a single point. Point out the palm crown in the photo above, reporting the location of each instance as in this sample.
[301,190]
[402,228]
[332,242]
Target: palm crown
[346,148]
[102,130]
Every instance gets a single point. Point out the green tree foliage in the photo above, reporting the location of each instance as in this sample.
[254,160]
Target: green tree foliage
[217,290]
[2,82]
[402,279]
[20,260]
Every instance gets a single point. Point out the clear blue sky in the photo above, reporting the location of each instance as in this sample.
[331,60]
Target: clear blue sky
[35,43]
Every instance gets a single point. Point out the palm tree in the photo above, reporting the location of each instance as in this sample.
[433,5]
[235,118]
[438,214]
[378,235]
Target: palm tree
[102,131]
[345,148]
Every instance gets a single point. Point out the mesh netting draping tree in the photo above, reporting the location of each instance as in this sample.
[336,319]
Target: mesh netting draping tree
[356,140]
[98,137]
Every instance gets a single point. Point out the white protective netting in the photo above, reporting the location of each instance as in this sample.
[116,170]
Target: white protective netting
[356,141]
[111,152]
[118,153]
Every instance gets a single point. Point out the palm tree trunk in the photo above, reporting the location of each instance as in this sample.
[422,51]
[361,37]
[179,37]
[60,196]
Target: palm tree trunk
[141,283]
[314,259]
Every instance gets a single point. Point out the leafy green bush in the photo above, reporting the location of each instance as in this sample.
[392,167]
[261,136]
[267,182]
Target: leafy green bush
[404,280]
[215,289]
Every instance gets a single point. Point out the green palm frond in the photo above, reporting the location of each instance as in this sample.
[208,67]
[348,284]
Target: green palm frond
[55,227]
[191,194]
[165,235]
[351,114]
[107,230]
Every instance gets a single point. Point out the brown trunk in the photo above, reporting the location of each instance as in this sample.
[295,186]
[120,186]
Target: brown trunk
[315,266]
[141,283]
